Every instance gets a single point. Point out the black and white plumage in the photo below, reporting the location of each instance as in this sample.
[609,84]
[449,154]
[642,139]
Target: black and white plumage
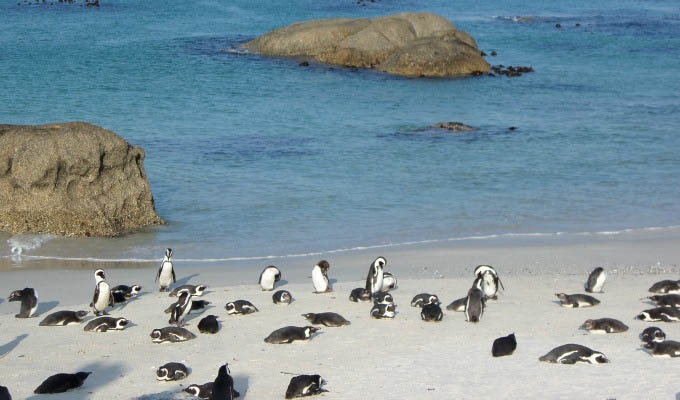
[326,318]
[29,302]
[196,305]
[383,311]
[665,314]
[420,300]
[123,293]
[389,281]
[374,279]
[604,325]
[457,305]
[360,294]
[103,298]
[305,385]
[268,277]
[383,298]
[475,302]
[240,307]
[573,353]
[667,300]
[203,391]
[665,349]
[320,277]
[172,371]
[652,334]
[4,393]
[181,309]
[194,290]
[666,287]
[61,318]
[171,334]
[61,383]
[166,272]
[504,346]
[209,324]
[282,297]
[104,324]
[490,281]
[223,386]
[289,334]
[431,312]
[595,281]
[576,300]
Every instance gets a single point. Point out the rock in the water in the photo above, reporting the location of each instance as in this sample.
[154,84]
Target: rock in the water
[454,126]
[73,179]
[407,44]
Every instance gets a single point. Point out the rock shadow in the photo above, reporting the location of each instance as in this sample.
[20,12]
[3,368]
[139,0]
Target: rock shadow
[103,373]
[46,307]
[8,347]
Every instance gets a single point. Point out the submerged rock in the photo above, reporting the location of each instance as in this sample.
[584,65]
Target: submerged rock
[73,179]
[454,126]
[406,44]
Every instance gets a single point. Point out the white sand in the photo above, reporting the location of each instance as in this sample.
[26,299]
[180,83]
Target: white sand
[404,358]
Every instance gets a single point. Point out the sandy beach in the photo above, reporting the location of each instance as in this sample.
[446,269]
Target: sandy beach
[400,358]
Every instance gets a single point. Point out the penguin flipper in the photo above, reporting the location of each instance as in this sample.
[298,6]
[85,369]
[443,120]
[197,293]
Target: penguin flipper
[158,275]
[96,295]
[174,280]
[501,282]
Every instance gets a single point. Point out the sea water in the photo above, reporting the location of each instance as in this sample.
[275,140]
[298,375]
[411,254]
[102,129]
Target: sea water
[251,156]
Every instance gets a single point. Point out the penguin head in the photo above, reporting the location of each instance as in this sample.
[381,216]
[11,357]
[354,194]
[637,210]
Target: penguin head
[649,345]
[309,330]
[654,298]
[643,316]
[81,314]
[477,284]
[561,296]
[193,390]
[433,299]
[286,297]
[15,295]
[81,376]
[482,269]
[324,265]
[200,289]
[168,253]
[183,294]
[121,322]
[309,316]
[601,358]
[135,289]
[156,334]
[589,324]
[99,275]
[231,307]
[224,370]
[162,373]
[380,262]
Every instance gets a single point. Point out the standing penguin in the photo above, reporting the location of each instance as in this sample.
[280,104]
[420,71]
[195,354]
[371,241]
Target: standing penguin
[223,387]
[29,302]
[374,280]
[181,309]
[4,393]
[320,277]
[595,281]
[268,277]
[166,273]
[103,298]
[490,281]
[474,305]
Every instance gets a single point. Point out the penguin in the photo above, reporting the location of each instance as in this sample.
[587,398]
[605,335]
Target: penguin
[668,300]
[203,391]
[103,324]
[573,353]
[61,318]
[604,325]
[389,282]
[374,279]
[4,393]
[166,273]
[576,300]
[29,302]
[268,277]
[457,305]
[490,281]
[122,293]
[424,298]
[305,385]
[240,307]
[383,298]
[194,290]
[652,334]
[360,294]
[665,314]
[172,371]
[209,324]
[282,297]
[431,312]
[182,308]
[61,383]
[223,386]
[666,348]
[326,318]
[595,281]
[171,334]
[102,294]
[504,346]
[289,334]
[320,277]
[666,287]
[474,305]
[382,311]
[196,305]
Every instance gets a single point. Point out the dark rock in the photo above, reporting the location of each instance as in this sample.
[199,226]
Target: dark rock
[304,64]
[558,26]
[512,128]
[493,53]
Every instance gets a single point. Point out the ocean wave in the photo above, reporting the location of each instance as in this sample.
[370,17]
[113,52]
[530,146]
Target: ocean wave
[27,242]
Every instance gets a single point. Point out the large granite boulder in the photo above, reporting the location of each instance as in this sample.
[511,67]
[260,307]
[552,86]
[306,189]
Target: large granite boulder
[73,179]
[403,44]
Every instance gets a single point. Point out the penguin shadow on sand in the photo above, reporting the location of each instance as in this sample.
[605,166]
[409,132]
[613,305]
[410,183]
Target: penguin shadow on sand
[44,308]
[121,306]
[8,347]
[241,385]
[280,283]
[103,373]
[185,280]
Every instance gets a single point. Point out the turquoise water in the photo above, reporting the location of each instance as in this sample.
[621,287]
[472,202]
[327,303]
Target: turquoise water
[250,156]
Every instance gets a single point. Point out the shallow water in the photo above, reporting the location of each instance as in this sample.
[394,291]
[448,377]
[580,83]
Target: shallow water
[250,156]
